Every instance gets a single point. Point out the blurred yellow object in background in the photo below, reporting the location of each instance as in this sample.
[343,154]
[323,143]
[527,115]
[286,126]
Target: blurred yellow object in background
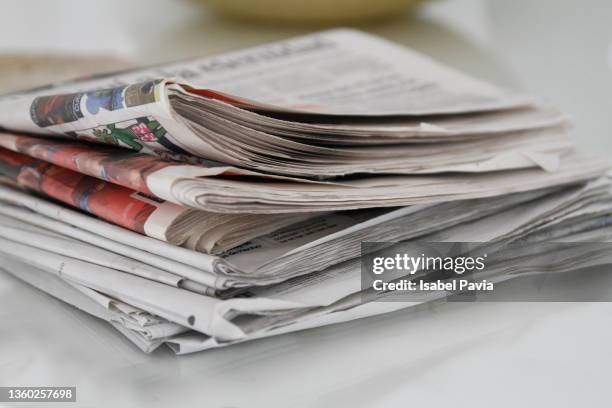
[312,11]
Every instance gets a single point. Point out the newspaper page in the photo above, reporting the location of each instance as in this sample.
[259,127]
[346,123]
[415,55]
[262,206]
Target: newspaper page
[111,202]
[230,190]
[134,110]
[301,248]
[107,198]
[300,302]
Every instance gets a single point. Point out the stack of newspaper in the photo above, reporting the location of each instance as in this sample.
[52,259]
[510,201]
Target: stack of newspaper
[208,202]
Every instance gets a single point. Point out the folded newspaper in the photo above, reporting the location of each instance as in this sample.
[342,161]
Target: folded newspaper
[199,230]
[188,321]
[317,106]
[208,202]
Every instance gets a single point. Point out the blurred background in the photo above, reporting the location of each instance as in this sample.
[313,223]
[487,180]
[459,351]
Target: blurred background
[558,49]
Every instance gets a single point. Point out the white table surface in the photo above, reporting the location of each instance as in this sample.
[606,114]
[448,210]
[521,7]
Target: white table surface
[460,354]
